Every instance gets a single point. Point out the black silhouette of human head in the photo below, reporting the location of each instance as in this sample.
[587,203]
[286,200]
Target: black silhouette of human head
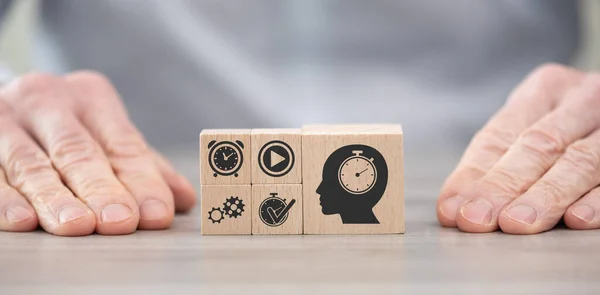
[352,207]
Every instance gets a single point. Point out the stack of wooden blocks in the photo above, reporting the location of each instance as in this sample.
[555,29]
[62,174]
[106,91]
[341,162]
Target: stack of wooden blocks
[321,179]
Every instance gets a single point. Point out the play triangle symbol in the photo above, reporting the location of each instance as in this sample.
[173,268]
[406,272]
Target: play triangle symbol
[276,159]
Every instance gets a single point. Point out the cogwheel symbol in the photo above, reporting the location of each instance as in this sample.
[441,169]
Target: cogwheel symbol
[233,207]
[216,215]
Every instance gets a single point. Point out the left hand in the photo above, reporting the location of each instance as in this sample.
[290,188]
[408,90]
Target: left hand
[536,161]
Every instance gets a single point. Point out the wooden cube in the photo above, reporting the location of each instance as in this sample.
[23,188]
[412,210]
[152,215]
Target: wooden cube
[277,209]
[276,156]
[226,210]
[353,179]
[225,157]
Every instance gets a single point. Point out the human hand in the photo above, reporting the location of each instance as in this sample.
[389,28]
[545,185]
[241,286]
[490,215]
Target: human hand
[71,161]
[536,161]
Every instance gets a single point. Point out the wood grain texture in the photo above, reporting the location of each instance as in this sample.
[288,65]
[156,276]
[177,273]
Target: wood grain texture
[293,139]
[327,203]
[217,219]
[292,224]
[231,135]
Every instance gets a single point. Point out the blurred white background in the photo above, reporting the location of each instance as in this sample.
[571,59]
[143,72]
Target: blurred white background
[15,52]
[14,38]
[15,41]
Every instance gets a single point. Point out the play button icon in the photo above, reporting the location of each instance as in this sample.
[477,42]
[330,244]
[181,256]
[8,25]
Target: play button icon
[276,158]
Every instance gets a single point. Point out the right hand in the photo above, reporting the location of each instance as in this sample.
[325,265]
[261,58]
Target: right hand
[71,160]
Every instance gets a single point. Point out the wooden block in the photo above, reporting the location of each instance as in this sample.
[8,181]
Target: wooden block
[226,210]
[353,179]
[276,156]
[277,209]
[225,157]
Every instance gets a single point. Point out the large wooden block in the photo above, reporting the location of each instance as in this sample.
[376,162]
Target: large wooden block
[226,210]
[353,179]
[277,209]
[276,156]
[225,157]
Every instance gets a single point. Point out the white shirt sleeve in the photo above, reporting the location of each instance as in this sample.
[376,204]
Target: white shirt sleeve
[6,74]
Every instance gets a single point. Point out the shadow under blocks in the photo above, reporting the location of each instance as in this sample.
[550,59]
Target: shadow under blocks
[320,179]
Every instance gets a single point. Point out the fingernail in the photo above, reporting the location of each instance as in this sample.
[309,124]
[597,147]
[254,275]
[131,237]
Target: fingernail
[478,211]
[69,214]
[584,212]
[116,213]
[152,210]
[449,208]
[522,213]
[17,214]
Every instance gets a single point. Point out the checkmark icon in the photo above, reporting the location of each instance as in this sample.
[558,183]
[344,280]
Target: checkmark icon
[277,218]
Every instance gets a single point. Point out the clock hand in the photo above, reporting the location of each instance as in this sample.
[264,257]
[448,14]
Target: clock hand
[226,157]
[361,172]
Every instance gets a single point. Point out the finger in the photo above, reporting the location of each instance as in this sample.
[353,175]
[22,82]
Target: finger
[17,213]
[105,117]
[534,152]
[583,214]
[183,191]
[29,170]
[576,172]
[536,96]
[77,157]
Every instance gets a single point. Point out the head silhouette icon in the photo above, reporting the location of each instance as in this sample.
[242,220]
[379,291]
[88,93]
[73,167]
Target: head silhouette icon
[354,180]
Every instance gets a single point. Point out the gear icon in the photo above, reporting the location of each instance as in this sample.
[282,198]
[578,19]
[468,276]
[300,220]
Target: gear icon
[233,207]
[216,215]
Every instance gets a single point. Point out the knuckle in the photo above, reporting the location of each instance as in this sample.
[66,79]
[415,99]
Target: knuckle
[72,149]
[93,189]
[24,163]
[129,144]
[548,76]
[552,194]
[89,184]
[509,183]
[541,143]
[549,71]
[583,159]
[547,80]
[131,174]
[502,186]
[35,83]
[494,140]
[473,170]
[89,79]
[591,91]
[49,198]
[35,93]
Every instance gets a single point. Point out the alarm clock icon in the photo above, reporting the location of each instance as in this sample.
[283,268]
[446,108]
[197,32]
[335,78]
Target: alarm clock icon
[357,174]
[225,158]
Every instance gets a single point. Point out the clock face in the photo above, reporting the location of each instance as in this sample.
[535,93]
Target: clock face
[225,158]
[357,175]
[276,206]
